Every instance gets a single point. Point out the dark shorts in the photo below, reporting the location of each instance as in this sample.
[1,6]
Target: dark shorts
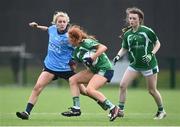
[108,74]
[60,74]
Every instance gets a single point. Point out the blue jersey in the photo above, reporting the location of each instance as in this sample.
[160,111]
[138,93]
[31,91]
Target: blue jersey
[59,51]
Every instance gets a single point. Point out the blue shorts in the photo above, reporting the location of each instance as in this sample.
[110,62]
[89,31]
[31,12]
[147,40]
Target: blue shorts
[108,74]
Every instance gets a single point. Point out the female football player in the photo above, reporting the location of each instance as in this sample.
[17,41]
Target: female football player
[56,63]
[141,44]
[99,71]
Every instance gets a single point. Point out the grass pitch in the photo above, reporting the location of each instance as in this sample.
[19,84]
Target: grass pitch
[139,111]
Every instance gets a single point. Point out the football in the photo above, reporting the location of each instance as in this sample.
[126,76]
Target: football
[89,54]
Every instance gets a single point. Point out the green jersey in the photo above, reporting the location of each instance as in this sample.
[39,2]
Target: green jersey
[138,44]
[86,49]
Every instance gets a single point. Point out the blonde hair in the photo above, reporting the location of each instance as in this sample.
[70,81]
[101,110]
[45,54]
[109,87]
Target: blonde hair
[61,14]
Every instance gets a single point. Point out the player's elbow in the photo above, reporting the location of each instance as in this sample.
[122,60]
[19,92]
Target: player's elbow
[103,47]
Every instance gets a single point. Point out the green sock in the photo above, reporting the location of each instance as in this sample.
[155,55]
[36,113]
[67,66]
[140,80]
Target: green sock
[76,102]
[108,104]
[121,105]
[160,108]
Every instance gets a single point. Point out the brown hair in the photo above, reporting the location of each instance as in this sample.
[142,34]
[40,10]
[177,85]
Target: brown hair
[78,34]
[124,30]
[133,10]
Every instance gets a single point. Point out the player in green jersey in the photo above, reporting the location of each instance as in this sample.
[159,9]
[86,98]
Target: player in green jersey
[141,44]
[99,71]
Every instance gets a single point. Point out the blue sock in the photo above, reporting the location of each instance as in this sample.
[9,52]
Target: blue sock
[29,107]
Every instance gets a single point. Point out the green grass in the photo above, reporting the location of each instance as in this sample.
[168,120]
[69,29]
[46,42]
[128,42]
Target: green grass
[32,73]
[139,110]
[7,76]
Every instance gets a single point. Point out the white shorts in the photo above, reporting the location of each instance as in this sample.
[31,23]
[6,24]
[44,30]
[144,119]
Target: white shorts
[146,72]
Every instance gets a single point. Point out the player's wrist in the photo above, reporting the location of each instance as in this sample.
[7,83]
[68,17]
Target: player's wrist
[118,56]
[152,53]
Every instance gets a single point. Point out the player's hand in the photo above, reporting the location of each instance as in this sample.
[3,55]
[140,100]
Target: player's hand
[33,24]
[72,64]
[147,58]
[116,59]
[88,61]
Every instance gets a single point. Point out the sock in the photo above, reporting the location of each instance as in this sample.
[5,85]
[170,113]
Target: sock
[160,108]
[29,107]
[121,105]
[108,104]
[76,103]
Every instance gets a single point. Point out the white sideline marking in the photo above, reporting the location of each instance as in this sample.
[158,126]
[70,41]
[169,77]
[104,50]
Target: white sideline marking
[91,126]
[53,113]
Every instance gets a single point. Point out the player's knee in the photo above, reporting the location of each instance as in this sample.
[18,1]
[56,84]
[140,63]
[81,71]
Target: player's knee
[72,81]
[123,86]
[152,91]
[38,88]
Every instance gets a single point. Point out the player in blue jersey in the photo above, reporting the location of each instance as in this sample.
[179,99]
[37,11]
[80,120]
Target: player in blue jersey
[57,61]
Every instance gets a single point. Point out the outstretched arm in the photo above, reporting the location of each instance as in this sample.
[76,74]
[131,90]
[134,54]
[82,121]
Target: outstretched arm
[35,25]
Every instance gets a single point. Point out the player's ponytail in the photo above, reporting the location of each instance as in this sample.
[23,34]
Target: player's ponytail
[124,30]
